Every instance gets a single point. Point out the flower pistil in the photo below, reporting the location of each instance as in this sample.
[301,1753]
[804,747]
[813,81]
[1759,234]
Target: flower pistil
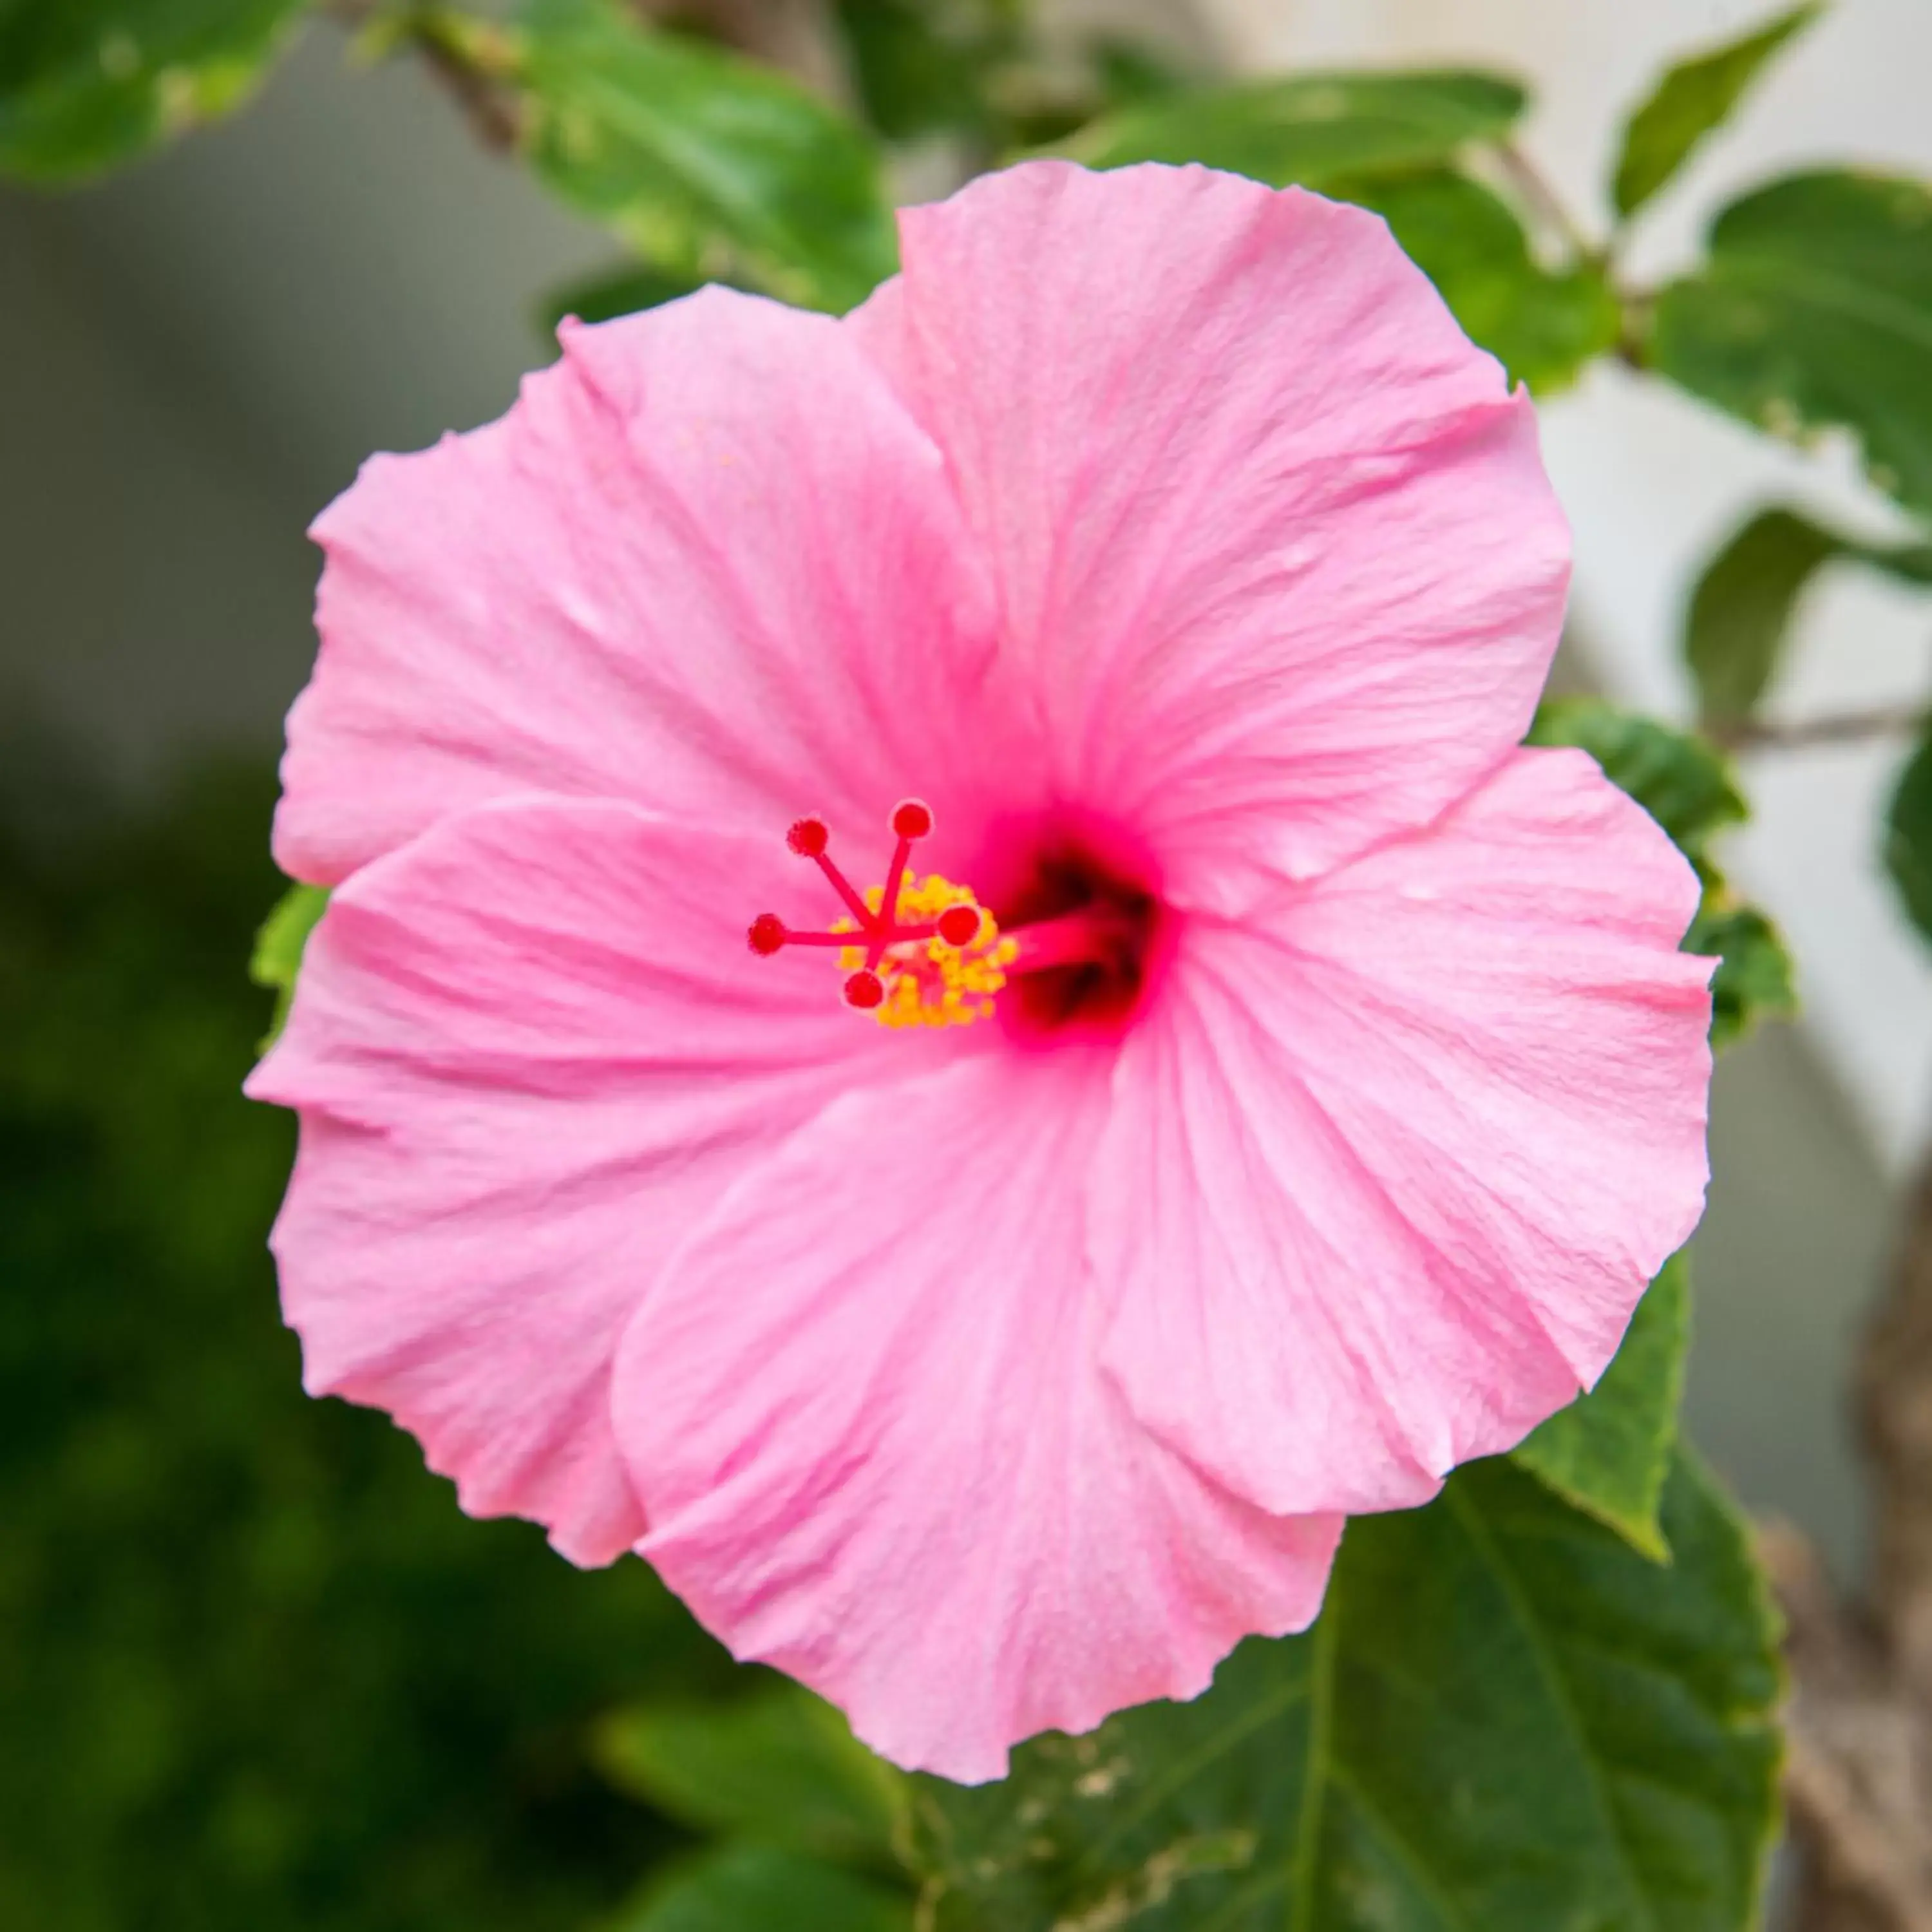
[936,958]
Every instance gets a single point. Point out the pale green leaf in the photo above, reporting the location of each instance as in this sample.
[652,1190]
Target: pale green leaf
[756,1888]
[1310,128]
[84,84]
[1694,98]
[1908,837]
[279,943]
[1506,1720]
[1814,312]
[1609,1453]
[703,162]
[1740,612]
[1543,325]
[779,1765]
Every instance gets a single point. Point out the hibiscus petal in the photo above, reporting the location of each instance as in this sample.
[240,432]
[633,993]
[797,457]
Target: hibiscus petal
[706,563]
[530,1050]
[1386,1176]
[1269,530]
[863,1410]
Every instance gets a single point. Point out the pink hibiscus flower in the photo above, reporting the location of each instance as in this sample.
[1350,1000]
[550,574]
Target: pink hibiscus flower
[1145,594]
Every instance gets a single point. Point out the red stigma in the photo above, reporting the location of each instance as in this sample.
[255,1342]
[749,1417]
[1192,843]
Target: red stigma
[864,990]
[958,924]
[896,937]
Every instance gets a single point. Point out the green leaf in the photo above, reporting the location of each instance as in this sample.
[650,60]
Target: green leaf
[1684,784]
[1755,979]
[780,1766]
[1310,129]
[1506,1720]
[755,1888]
[1908,837]
[1693,98]
[1814,312]
[1543,324]
[279,945]
[924,67]
[702,161]
[1740,612]
[84,84]
[1609,1453]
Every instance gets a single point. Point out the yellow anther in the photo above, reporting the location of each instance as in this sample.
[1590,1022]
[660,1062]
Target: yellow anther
[929,983]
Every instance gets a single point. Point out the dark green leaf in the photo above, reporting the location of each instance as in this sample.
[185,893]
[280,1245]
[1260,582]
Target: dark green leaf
[923,67]
[1609,1453]
[1543,324]
[1310,129]
[1691,100]
[1740,612]
[1684,784]
[1506,1719]
[702,160]
[1813,312]
[279,945]
[1681,780]
[780,1766]
[86,83]
[1908,837]
[1755,979]
[753,1888]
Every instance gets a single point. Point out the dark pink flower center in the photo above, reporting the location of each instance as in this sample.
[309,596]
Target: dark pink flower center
[1090,935]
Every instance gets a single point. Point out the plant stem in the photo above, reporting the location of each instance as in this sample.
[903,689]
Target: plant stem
[489,108]
[486,104]
[1541,198]
[1842,727]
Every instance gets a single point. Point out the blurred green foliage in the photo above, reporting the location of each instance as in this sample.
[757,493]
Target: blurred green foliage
[86,83]
[1908,834]
[1310,129]
[256,1670]
[746,1888]
[276,960]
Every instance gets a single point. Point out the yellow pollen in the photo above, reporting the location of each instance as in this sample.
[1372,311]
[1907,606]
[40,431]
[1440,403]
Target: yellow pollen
[927,981]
